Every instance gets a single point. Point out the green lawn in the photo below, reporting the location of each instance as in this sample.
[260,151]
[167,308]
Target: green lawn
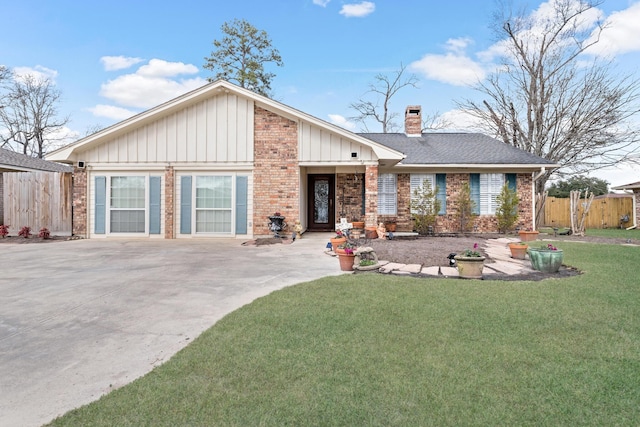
[616,233]
[381,350]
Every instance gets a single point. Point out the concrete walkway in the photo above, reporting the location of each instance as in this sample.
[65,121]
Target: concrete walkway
[80,318]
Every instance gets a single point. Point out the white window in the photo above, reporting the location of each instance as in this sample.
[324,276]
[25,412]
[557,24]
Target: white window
[417,181]
[490,186]
[213,204]
[387,194]
[127,210]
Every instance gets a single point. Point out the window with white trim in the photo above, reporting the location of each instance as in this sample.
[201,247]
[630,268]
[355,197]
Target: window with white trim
[387,194]
[127,204]
[417,181]
[213,204]
[490,186]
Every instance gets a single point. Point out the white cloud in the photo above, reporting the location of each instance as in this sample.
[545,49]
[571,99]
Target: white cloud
[454,67]
[358,10]
[322,3]
[111,112]
[621,33]
[38,72]
[113,63]
[341,121]
[460,120]
[162,68]
[151,84]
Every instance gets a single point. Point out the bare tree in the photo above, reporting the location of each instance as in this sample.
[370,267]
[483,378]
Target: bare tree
[550,100]
[383,89]
[29,116]
[241,55]
[434,122]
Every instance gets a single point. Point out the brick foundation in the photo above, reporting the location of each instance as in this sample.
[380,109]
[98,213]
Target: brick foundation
[79,209]
[276,170]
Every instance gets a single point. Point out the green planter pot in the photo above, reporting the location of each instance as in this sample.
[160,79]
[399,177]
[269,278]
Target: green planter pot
[546,260]
[470,267]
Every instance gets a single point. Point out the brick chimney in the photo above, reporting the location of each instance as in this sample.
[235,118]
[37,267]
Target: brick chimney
[413,120]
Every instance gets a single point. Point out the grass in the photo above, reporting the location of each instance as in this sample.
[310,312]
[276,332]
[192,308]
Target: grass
[387,350]
[614,233]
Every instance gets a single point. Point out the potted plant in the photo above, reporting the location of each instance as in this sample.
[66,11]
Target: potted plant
[346,256]
[518,250]
[390,224]
[356,223]
[547,259]
[470,263]
[528,236]
[338,240]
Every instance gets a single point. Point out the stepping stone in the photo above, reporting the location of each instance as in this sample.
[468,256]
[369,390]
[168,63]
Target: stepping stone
[390,267]
[411,268]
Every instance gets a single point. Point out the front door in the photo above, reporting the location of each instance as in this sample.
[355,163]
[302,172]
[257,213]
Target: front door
[321,198]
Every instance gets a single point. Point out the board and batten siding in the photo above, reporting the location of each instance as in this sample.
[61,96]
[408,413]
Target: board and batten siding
[319,145]
[218,129]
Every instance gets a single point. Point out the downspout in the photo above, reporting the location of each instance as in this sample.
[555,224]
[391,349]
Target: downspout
[533,195]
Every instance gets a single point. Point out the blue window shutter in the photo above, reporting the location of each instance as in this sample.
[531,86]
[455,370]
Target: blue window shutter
[100,204]
[185,205]
[511,181]
[474,183]
[441,185]
[241,204]
[154,204]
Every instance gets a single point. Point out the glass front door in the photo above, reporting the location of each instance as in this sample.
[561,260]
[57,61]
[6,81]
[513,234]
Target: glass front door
[321,203]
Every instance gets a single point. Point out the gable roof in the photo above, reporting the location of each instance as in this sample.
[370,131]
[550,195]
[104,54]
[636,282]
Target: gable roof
[632,186]
[458,150]
[67,153]
[10,161]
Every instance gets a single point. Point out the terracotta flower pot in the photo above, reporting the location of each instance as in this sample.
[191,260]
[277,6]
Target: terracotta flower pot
[346,260]
[528,236]
[518,250]
[358,224]
[337,241]
[371,233]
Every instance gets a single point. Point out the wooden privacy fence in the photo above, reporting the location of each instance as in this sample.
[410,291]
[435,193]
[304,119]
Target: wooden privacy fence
[605,212]
[36,200]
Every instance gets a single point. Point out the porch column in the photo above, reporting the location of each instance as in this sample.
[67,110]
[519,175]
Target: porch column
[371,196]
[79,207]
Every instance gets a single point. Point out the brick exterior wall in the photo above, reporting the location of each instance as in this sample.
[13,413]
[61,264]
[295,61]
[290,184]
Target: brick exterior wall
[636,194]
[371,196]
[349,196]
[413,120]
[169,192]
[276,170]
[79,209]
[448,223]
[1,199]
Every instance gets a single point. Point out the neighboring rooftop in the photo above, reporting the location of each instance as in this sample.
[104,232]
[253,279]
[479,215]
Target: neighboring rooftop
[10,161]
[455,148]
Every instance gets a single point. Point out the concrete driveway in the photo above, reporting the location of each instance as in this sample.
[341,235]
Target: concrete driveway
[80,318]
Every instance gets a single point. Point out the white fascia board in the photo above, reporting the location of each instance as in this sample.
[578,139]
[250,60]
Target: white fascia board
[466,167]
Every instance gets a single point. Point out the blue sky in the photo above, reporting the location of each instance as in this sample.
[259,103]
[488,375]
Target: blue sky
[113,59]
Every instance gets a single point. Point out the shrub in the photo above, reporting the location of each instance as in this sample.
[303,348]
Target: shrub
[44,233]
[425,207]
[464,215]
[507,209]
[4,230]
[25,232]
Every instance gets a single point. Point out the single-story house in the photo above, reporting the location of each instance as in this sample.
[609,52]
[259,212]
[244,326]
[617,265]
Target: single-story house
[219,160]
[634,187]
